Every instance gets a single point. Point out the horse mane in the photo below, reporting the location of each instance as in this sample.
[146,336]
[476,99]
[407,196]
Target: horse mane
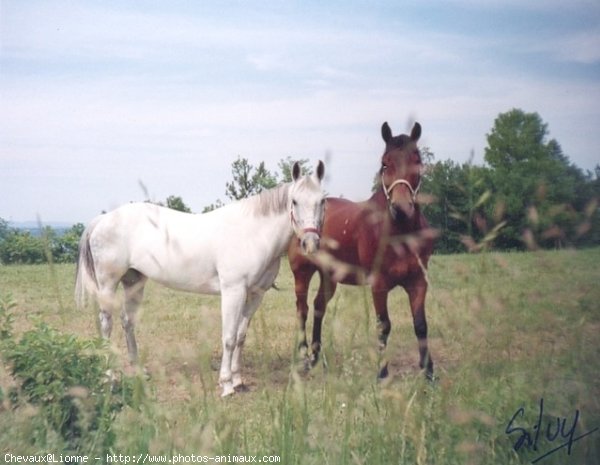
[270,201]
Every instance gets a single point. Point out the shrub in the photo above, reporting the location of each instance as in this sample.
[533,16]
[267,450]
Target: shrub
[66,379]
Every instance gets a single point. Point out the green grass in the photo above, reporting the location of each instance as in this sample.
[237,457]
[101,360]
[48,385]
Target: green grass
[505,331]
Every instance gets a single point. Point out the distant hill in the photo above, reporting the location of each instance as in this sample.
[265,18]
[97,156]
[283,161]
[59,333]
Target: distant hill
[34,226]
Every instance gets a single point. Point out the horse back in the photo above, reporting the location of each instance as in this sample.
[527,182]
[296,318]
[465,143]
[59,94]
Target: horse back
[173,248]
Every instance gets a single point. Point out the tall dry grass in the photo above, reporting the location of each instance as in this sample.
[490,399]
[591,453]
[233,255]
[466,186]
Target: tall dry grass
[505,331]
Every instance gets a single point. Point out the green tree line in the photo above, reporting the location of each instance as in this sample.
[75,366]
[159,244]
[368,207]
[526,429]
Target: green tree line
[527,195]
[21,246]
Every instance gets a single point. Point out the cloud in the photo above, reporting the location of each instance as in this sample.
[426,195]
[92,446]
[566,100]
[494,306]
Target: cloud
[95,92]
[582,47]
[530,5]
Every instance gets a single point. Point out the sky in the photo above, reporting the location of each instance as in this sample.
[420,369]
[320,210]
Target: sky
[107,102]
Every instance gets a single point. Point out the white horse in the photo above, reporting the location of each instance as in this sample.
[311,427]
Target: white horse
[234,250]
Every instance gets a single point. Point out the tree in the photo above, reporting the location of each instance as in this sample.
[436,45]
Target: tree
[460,195]
[516,138]
[68,244]
[247,180]
[22,247]
[241,186]
[589,229]
[213,206]
[19,246]
[532,179]
[263,179]
[285,168]
[439,181]
[4,228]
[176,203]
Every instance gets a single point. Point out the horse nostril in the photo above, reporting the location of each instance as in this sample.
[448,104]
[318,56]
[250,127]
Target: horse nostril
[401,212]
[310,243]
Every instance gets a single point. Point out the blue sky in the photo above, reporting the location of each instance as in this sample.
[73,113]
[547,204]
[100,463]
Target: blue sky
[98,97]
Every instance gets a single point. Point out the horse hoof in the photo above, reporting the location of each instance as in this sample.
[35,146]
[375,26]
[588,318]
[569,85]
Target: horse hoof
[383,373]
[241,388]
[228,389]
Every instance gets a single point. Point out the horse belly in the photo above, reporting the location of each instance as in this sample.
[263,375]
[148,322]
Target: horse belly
[198,283]
[341,264]
[193,271]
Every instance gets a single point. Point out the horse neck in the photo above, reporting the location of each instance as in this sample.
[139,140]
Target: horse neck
[274,215]
[282,241]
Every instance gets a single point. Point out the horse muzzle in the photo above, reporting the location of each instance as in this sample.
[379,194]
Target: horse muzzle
[311,240]
[402,210]
[401,202]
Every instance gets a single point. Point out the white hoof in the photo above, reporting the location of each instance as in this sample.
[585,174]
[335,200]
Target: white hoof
[237,381]
[228,389]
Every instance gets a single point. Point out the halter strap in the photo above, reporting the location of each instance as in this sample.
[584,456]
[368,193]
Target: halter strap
[304,230]
[388,190]
[311,230]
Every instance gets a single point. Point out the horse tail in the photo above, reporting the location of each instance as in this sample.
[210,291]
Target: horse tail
[85,278]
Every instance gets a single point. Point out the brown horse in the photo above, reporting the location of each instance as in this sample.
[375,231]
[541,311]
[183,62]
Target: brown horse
[383,242]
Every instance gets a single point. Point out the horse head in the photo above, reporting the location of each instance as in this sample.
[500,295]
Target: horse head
[400,172]
[307,207]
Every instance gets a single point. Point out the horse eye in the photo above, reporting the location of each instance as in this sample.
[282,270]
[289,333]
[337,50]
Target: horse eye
[383,166]
[294,203]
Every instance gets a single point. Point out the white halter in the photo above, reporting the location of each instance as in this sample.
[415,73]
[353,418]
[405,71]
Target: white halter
[388,190]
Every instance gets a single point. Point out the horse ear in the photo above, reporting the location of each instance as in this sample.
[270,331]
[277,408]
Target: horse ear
[296,171]
[320,171]
[416,132]
[386,132]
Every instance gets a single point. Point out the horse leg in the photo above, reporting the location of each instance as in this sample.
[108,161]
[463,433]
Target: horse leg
[133,284]
[416,295]
[302,281]
[106,303]
[252,303]
[324,294]
[106,323]
[107,300]
[384,325]
[232,306]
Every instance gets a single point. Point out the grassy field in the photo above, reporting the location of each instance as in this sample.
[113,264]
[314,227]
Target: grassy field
[506,331]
